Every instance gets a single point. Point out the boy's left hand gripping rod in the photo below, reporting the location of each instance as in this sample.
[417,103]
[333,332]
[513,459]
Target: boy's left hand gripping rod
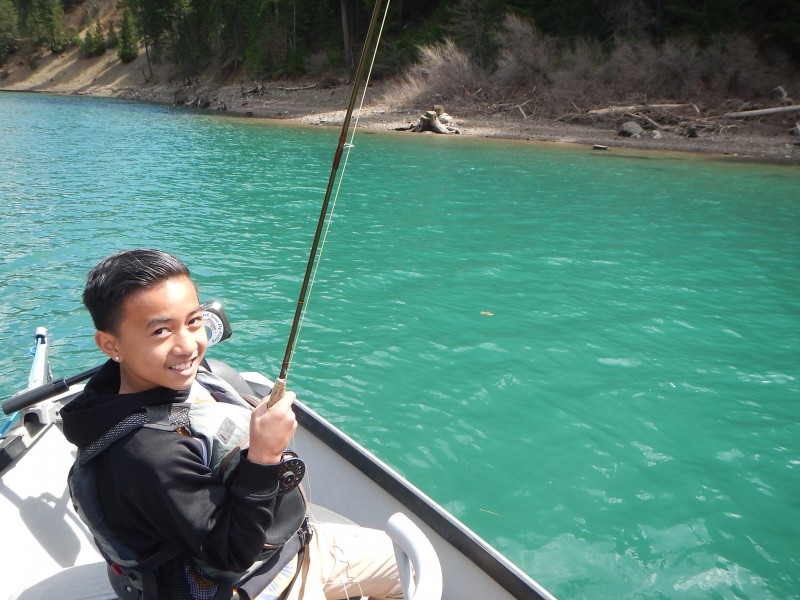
[43,392]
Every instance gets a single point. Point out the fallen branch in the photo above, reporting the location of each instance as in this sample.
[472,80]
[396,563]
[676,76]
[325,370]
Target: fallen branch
[646,118]
[519,106]
[761,112]
[612,110]
[299,89]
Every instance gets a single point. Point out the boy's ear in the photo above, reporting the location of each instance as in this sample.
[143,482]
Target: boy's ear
[107,344]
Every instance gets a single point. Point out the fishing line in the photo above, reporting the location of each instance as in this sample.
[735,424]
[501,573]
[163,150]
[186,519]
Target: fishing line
[349,146]
[279,386]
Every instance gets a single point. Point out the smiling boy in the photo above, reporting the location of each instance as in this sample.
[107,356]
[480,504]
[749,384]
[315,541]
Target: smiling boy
[157,489]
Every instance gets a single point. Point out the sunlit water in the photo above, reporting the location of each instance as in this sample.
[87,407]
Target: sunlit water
[589,358]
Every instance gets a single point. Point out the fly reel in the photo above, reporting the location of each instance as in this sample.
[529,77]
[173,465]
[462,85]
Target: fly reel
[291,471]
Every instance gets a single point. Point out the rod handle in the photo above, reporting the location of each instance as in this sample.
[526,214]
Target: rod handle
[278,390]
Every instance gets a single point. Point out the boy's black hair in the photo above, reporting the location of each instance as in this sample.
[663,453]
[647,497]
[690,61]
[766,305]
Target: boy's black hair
[117,277]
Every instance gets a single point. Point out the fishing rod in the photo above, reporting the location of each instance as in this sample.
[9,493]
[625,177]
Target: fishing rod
[279,387]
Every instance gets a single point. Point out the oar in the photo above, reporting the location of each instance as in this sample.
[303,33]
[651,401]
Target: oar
[279,387]
[43,392]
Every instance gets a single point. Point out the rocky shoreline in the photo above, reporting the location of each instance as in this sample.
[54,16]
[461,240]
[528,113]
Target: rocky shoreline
[765,139]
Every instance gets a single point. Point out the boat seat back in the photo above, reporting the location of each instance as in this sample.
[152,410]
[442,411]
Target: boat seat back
[417,561]
[230,375]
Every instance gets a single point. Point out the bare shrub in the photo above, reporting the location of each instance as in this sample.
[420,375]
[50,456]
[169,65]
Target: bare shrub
[527,58]
[641,71]
[576,82]
[677,70]
[629,71]
[549,78]
[682,70]
[443,72]
[732,66]
[582,59]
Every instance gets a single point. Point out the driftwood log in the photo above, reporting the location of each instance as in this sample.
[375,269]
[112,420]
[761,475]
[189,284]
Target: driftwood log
[436,120]
[615,110]
[761,112]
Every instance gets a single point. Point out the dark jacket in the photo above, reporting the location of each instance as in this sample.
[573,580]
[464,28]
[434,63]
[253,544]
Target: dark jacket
[156,491]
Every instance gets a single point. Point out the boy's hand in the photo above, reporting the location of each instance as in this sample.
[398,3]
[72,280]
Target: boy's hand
[271,430]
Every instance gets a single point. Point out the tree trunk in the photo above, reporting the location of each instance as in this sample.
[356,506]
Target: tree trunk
[144,39]
[430,122]
[346,33]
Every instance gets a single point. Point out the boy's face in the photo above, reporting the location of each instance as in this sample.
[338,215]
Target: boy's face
[161,338]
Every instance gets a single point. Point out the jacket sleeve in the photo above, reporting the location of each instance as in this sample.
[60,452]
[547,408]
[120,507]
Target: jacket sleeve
[160,491]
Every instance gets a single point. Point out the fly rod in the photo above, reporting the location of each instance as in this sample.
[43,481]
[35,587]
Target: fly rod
[279,386]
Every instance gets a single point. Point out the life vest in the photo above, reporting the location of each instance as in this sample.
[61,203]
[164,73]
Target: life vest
[223,427]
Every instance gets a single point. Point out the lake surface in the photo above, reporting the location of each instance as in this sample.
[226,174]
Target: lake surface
[590,358]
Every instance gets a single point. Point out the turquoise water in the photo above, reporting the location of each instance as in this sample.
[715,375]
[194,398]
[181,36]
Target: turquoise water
[589,358]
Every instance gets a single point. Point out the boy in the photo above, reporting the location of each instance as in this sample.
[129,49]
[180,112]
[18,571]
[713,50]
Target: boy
[156,489]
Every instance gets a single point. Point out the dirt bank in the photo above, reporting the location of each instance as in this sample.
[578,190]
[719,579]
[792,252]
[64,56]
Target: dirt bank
[304,102]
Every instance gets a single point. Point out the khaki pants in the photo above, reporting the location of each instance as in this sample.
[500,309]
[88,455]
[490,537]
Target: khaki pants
[346,561]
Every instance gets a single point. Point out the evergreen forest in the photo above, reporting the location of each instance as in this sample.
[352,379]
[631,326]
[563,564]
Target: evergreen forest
[517,43]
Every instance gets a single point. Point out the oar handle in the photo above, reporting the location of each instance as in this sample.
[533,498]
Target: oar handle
[37,394]
[43,392]
[278,390]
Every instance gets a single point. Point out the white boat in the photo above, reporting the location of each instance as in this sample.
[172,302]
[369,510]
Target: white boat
[49,553]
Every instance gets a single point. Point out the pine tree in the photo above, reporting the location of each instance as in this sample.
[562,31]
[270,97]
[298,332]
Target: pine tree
[128,48]
[112,39]
[87,44]
[8,28]
[99,39]
[94,43]
[54,25]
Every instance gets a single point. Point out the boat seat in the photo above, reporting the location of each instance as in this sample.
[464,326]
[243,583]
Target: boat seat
[417,561]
